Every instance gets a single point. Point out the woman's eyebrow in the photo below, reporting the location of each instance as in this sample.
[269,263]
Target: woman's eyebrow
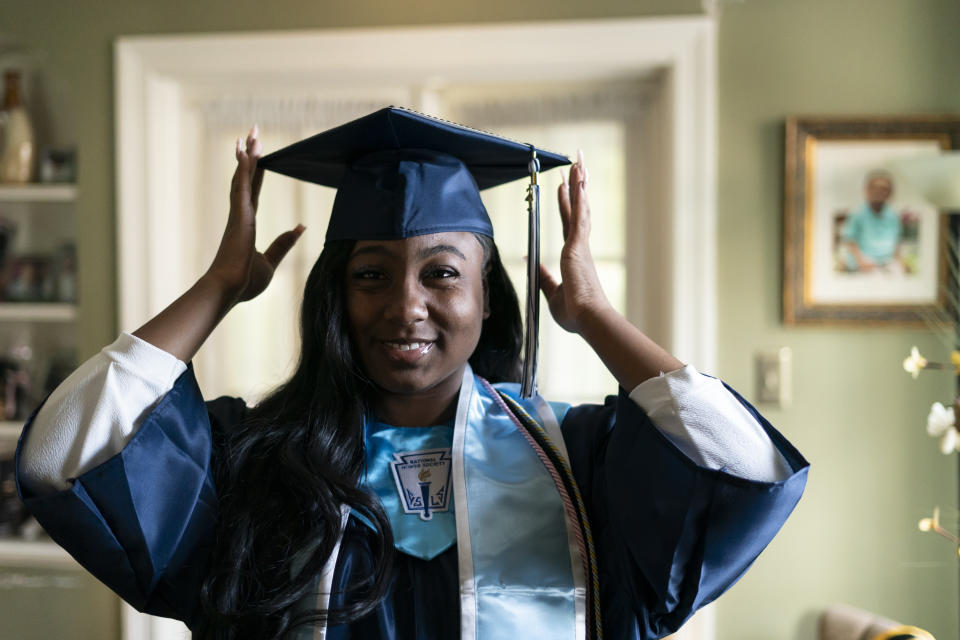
[429,252]
[376,249]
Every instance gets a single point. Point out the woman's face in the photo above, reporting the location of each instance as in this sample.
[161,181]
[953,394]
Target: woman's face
[415,308]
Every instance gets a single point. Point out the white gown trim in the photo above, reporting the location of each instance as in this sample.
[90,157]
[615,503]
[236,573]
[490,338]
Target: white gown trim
[468,592]
[325,587]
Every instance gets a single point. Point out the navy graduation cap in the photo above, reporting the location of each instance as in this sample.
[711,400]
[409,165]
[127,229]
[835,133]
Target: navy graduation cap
[399,174]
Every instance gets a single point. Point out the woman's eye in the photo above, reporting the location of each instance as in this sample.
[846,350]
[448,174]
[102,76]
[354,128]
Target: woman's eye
[442,273]
[367,274]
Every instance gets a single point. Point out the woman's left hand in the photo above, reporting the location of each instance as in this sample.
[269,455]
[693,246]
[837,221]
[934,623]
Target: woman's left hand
[579,292]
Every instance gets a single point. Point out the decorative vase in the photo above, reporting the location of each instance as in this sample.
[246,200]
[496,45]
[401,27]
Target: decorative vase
[18,146]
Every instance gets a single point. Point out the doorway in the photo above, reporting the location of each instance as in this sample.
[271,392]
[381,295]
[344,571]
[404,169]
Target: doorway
[643,90]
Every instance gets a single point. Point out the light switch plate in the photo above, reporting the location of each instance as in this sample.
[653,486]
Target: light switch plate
[774,377]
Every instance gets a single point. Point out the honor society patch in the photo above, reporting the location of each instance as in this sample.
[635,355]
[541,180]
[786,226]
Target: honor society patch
[423,481]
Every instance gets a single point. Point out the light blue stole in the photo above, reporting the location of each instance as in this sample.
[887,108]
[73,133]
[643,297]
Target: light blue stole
[521,570]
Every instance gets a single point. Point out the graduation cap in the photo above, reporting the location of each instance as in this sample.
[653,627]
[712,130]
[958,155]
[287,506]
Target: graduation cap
[400,173]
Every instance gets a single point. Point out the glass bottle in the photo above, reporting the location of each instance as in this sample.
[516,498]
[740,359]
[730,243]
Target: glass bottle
[18,148]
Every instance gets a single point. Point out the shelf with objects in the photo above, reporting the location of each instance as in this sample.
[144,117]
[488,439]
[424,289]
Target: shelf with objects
[38,313]
[38,306]
[45,591]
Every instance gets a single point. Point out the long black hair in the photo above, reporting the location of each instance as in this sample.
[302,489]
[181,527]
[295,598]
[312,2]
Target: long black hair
[288,468]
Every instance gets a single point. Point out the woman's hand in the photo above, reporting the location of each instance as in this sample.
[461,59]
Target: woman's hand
[579,293]
[243,271]
[579,305]
[239,272]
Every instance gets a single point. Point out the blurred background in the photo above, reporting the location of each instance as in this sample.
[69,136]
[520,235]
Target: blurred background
[683,131]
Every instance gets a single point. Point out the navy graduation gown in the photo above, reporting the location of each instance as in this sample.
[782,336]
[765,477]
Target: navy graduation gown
[670,536]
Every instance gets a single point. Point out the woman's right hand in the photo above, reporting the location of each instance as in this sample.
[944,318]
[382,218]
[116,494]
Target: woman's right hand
[238,267]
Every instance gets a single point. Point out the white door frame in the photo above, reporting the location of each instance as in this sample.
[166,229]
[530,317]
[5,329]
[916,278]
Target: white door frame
[676,262]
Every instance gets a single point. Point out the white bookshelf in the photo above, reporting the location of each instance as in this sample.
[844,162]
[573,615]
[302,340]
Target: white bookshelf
[31,206]
[39,193]
[10,430]
[38,312]
[34,555]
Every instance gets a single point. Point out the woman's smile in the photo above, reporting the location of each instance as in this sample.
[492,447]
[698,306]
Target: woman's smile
[416,308]
[408,352]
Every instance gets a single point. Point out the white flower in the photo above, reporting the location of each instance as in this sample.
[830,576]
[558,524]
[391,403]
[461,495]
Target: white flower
[949,442]
[940,420]
[914,363]
[940,424]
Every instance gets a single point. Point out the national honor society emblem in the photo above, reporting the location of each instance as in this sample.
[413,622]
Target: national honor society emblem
[423,481]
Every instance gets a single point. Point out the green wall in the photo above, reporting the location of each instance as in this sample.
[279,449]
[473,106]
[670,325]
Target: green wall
[856,415]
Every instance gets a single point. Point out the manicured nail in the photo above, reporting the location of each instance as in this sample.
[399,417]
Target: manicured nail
[254,132]
[586,177]
[580,157]
[239,145]
[563,178]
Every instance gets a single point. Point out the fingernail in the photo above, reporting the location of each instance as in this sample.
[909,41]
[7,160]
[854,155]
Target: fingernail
[580,157]
[239,145]
[254,132]
[563,178]
[300,229]
[586,177]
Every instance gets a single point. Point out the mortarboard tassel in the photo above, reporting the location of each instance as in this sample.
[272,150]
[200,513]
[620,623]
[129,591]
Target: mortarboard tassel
[528,385]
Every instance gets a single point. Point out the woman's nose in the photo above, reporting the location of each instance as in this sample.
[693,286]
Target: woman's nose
[408,303]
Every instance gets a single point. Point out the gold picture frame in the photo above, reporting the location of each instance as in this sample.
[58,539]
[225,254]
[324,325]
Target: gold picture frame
[843,265]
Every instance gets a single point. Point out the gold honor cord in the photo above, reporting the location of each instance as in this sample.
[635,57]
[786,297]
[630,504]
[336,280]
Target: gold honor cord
[528,384]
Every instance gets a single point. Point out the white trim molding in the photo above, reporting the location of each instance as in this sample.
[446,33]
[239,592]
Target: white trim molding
[672,210]
[156,73]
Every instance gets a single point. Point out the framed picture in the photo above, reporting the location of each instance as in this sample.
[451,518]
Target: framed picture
[861,246]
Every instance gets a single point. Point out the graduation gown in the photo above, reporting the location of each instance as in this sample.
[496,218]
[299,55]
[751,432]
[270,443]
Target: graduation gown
[670,535]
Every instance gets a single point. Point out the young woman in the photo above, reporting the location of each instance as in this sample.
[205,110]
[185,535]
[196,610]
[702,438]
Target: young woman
[398,485]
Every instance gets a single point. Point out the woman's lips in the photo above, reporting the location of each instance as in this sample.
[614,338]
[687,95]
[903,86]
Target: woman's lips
[407,351]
